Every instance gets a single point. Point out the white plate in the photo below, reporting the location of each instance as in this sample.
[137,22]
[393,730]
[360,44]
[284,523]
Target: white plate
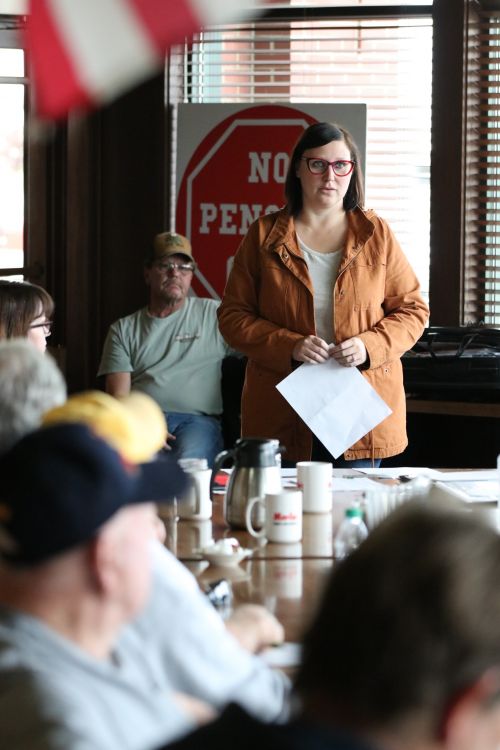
[223,559]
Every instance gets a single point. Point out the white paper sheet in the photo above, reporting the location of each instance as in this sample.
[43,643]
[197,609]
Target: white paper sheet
[475,486]
[335,402]
[469,475]
[355,480]
[397,471]
[481,493]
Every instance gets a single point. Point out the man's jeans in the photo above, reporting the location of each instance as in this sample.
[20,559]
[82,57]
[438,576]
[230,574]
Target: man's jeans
[197,436]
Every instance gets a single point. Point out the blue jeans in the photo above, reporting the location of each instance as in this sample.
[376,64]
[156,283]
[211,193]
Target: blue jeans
[196,436]
[357,463]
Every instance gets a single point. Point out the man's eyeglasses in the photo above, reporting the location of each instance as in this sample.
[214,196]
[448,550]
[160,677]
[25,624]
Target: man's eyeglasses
[341,167]
[47,326]
[183,268]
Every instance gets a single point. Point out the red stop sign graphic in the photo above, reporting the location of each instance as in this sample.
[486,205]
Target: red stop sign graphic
[236,174]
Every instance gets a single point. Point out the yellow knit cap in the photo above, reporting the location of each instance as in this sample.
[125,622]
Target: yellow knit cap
[134,425]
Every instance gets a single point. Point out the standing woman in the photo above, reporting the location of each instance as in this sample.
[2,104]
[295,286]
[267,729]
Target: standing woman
[322,278]
[25,311]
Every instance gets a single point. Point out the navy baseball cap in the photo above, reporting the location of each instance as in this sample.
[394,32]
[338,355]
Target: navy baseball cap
[60,483]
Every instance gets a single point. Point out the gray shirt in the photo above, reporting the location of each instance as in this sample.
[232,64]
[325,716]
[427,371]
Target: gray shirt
[54,696]
[176,360]
[200,656]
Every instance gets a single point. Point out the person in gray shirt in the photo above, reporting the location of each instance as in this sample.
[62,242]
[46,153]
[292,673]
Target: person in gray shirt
[172,350]
[213,659]
[76,528]
[197,654]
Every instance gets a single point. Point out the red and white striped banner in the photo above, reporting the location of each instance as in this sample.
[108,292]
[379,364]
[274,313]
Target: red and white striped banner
[86,52]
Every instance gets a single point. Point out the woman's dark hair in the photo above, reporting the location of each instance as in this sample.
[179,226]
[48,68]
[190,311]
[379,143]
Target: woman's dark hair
[20,304]
[316,135]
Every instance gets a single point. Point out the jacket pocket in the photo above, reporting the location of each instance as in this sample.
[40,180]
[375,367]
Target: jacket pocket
[368,281]
[283,300]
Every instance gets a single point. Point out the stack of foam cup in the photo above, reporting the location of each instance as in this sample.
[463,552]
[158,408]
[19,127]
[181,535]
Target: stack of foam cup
[314,478]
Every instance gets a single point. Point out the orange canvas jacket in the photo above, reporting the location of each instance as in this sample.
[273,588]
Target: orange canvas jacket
[268,307]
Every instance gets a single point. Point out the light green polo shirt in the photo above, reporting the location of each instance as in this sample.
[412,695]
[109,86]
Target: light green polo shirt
[176,360]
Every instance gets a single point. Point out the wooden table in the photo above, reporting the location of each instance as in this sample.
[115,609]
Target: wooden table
[288,587]
[285,578]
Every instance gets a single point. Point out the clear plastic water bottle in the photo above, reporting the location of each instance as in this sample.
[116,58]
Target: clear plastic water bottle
[352,531]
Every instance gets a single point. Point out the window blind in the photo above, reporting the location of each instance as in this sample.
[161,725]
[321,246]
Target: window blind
[383,62]
[13,85]
[482,171]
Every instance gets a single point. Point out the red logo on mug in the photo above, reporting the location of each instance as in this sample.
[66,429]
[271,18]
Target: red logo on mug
[284,516]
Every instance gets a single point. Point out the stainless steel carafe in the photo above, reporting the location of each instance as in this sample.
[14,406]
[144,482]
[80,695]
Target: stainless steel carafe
[257,470]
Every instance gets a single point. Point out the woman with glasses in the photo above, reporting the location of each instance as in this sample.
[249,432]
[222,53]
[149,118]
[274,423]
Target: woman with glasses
[25,311]
[322,277]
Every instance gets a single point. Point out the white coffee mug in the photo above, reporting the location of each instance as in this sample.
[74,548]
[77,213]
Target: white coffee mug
[314,478]
[283,516]
[196,504]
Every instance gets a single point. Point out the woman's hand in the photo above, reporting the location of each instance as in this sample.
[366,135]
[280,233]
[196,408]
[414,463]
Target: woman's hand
[311,349]
[350,353]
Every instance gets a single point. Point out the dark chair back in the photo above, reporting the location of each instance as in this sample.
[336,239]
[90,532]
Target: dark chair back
[233,377]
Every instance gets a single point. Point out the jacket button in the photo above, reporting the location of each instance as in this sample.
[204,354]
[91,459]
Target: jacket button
[285,256]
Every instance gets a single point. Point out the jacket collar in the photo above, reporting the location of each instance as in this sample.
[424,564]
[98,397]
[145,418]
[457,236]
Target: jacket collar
[360,224]
[360,229]
[282,232]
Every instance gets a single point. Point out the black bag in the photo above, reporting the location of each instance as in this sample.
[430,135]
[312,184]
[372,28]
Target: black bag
[454,364]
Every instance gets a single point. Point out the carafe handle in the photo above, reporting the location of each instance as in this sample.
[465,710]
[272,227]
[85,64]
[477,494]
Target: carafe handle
[220,459]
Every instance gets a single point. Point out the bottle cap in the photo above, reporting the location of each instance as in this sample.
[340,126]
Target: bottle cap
[354,512]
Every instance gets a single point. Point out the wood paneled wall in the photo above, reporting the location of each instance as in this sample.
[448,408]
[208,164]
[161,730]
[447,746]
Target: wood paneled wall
[101,182]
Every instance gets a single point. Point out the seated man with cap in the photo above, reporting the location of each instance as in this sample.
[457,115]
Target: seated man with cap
[203,655]
[75,544]
[172,350]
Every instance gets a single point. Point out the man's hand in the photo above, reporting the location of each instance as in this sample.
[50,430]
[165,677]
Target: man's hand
[311,349]
[350,353]
[199,711]
[166,446]
[255,627]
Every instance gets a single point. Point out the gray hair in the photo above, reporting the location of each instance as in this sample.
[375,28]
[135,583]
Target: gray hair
[30,384]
